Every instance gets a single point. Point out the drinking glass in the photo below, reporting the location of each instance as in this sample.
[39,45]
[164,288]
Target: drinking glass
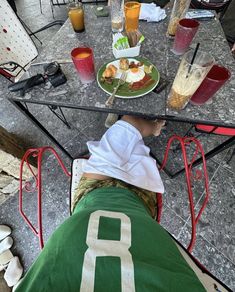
[116,7]
[84,63]
[178,12]
[132,12]
[188,78]
[185,33]
[214,80]
[76,16]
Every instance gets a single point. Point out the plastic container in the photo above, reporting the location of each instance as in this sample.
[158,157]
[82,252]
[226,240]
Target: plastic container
[179,11]
[131,52]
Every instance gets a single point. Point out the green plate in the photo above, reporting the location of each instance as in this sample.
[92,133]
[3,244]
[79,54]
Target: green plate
[124,91]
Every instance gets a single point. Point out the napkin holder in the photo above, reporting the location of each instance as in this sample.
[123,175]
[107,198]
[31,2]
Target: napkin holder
[130,52]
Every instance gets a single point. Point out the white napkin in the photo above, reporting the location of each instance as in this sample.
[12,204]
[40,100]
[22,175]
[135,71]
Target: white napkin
[151,12]
[121,154]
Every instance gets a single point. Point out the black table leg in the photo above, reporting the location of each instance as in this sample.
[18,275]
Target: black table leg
[225,145]
[60,115]
[25,111]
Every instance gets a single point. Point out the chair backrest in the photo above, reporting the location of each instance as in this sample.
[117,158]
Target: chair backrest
[77,166]
[215,130]
[15,43]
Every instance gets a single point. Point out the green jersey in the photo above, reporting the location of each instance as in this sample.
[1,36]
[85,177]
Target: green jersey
[110,243]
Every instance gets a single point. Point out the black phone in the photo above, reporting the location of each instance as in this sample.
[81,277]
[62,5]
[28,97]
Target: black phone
[163,82]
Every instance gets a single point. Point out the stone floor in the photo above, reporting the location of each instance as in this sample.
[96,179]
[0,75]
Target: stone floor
[215,245]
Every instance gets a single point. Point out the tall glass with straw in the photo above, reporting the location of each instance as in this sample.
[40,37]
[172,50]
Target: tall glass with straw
[192,70]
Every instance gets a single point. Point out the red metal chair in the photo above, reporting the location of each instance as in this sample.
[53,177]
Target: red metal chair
[185,141]
[36,153]
[218,131]
[215,130]
[206,129]
[198,268]
[188,165]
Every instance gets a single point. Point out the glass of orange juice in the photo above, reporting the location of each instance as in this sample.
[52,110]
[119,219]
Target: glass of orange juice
[83,60]
[76,16]
[132,12]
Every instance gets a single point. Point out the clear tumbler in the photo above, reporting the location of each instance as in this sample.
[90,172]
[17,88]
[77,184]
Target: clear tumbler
[117,11]
[179,11]
[188,78]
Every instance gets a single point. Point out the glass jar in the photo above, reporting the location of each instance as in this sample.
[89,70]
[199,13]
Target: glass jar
[76,16]
[179,11]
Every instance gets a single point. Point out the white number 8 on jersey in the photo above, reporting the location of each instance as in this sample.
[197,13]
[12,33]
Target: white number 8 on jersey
[101,247]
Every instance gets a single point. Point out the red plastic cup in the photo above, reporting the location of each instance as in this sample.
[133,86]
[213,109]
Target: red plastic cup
[84,63]
[213,81]
[185,33]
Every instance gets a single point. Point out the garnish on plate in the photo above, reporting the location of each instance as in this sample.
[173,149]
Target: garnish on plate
[148,69]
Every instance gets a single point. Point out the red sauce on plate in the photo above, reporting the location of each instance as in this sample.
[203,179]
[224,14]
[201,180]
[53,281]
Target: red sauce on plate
[146,81]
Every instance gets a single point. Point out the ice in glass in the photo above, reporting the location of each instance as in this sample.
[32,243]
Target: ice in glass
[188,78]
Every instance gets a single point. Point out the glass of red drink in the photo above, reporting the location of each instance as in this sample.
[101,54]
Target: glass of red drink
[214,80]
[185,33]
[83,60]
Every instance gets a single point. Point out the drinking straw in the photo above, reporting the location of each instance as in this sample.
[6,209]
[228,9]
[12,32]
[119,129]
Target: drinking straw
[193,58]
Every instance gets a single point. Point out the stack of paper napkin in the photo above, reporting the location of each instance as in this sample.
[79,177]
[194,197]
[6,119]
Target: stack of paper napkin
[151,12]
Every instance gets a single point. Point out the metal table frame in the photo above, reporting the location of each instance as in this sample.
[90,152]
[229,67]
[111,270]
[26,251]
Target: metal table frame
[22,106]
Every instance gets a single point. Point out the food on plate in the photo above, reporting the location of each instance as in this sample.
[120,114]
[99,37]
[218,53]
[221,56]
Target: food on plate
[124,64]
[138,74]
[134,75]
[135,65]
[114,70]
[146,81]
[109,72]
